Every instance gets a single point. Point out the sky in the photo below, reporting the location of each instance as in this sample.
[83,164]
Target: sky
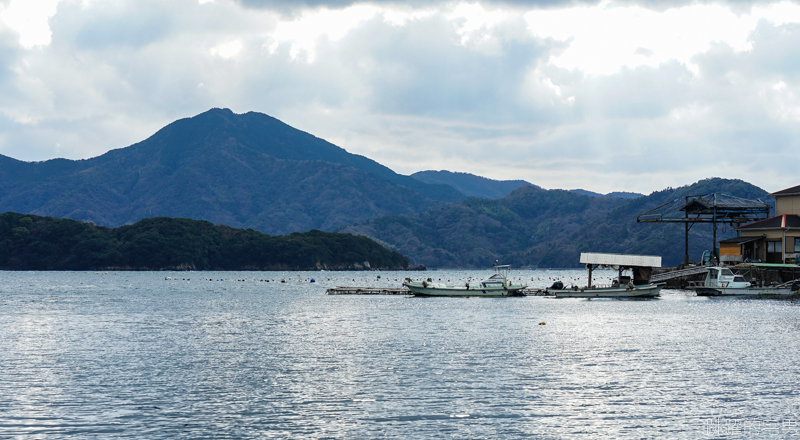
[631,95]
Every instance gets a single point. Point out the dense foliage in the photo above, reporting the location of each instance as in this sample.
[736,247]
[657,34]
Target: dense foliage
[30,242]
[536,227]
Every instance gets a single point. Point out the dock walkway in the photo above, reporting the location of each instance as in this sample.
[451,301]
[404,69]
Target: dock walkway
[368,291]
[664,276]
[528,291]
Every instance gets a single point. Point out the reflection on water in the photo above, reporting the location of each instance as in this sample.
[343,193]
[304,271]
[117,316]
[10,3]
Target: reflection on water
[232,355]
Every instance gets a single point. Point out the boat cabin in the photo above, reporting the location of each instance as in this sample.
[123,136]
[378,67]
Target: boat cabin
[724,277]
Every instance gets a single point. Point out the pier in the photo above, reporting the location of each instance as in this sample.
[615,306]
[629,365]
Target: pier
[678,273]
[368,291]
[528,291]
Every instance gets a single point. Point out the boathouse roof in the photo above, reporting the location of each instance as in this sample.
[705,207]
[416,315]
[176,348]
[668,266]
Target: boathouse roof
[784,221]
[625,260]
[721,201]
[787,192]
[714,207]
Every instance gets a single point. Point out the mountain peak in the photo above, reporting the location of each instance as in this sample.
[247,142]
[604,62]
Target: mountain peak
[242,170]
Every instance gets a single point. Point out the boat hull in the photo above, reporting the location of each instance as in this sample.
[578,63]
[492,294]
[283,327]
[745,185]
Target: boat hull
[645,291]
[771,292]
[417,289]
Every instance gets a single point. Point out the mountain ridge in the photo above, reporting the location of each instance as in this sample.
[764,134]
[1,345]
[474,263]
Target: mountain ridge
[471,184]
[546,228]
[247,170]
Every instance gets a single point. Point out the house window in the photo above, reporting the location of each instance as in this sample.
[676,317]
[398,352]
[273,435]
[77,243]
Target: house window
[797,244]
[774,247]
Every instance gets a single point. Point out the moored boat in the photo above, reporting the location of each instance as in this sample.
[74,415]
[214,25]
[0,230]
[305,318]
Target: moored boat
[721,281]
[645,291]
[497,285]
[639,286]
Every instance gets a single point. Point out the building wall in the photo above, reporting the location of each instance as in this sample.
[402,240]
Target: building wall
[792,256]
[770,234]
[787,205]
[730,249]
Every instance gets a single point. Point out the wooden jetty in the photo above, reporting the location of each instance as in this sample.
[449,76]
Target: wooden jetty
[528,291]
[368,291]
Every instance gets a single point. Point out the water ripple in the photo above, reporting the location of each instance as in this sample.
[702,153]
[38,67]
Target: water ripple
[133,355]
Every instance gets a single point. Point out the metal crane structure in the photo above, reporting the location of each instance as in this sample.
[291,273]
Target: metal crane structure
[714,208]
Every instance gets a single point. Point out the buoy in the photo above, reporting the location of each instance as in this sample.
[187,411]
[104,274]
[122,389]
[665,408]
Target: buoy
[542,323]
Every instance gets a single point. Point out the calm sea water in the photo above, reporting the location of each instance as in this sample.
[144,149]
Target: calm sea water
[206,355]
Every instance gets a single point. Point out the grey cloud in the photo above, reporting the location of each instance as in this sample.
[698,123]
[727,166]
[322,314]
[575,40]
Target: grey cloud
[10,52]
[640,93]
[112,25]
[424,70]
[291,7]
[777,49]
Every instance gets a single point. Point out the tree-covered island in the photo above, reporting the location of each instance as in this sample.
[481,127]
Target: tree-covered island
[30,242]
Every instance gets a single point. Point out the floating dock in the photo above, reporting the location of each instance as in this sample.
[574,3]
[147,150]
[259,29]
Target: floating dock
[368,291]
[528,291]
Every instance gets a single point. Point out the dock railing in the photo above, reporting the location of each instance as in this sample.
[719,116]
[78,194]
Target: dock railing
[659,277]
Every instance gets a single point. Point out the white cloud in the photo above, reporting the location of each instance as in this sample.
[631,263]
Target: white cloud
[227,50]
[29,19]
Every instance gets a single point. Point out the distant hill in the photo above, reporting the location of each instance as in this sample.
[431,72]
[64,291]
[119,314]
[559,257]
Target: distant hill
[248,170]
[536,227]
[29,242]
[470,184]
[618,194]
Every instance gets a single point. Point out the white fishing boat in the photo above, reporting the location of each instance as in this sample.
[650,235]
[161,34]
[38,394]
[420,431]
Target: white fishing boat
[638,286]
[497,285]
[721,281]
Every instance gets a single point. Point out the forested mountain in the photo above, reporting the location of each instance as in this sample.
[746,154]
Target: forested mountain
[536,227]
[470,184]
[29,242]
[253,171]
[247,170]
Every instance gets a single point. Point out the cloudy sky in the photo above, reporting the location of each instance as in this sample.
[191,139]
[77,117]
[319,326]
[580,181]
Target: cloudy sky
[631,95]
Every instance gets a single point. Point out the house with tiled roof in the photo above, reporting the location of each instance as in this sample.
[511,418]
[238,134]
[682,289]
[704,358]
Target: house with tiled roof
[773,240]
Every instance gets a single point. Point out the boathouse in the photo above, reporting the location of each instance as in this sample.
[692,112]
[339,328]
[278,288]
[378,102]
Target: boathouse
[714,208]
[774,240]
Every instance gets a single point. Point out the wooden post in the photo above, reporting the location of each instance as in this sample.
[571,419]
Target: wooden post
[686,244]
[590,267]
[686,239]
[714,244]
